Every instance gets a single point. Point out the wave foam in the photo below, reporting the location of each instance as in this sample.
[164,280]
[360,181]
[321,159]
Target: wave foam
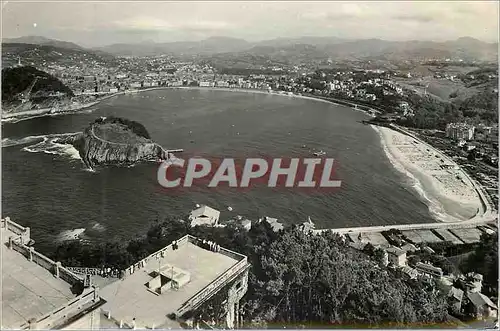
[45,144]
[74,234]
[98,227]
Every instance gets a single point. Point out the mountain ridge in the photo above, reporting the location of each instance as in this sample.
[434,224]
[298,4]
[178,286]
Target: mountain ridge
[318,47]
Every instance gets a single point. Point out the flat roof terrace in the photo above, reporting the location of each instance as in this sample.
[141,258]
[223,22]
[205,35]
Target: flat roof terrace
[28,290]
[130,297]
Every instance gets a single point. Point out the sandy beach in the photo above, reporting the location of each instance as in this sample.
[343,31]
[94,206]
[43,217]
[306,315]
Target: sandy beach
[451,196]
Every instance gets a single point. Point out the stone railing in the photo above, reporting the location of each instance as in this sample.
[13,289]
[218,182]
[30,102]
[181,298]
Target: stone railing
[48,321]
[54,267]
[23,232]
[208,291]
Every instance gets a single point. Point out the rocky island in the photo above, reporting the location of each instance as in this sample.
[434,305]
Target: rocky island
[115,141]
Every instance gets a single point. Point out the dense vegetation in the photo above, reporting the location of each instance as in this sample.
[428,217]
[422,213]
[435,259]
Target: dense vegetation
[297,279]
[484,260]
[17,80]
[135,127]
[433,114]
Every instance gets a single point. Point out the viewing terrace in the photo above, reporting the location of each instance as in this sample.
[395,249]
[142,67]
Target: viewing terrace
[170,282]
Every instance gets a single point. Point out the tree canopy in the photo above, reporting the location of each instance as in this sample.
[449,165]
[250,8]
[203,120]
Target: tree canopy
[136,127]
[17,80]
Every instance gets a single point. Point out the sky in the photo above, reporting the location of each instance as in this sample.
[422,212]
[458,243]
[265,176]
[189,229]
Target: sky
[102,23]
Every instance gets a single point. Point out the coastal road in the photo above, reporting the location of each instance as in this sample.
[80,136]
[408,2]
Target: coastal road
[423,226]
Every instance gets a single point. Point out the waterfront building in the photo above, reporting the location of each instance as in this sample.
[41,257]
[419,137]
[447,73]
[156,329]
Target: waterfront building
[493,135]
[246,224]
[429,269]
[481,306]
[273,222]
[409,272]
[396,256]
[222,84]
[460,131]
[204,215]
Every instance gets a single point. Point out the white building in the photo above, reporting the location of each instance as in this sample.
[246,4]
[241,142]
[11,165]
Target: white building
[493,134]
[396,256]
[204,216]
[429,269]
[460,131]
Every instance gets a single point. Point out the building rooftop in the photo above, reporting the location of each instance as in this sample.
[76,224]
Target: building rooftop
[204,215]
[205,211]
[275,225]
[29,291]
[131,298]
[456,293]
[428,266]
[480,300]
[395,251]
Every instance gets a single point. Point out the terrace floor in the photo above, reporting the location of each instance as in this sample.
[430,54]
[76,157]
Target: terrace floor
[130,298]
[28,290]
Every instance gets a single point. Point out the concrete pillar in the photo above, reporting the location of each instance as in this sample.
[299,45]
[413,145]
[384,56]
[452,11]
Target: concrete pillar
[58,265]
[10,242]
[26,235]
[31,250]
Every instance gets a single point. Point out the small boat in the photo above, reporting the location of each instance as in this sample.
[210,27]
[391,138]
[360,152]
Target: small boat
[320,153]
[230,208]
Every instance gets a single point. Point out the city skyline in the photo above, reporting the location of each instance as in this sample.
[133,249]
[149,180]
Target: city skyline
[97,23]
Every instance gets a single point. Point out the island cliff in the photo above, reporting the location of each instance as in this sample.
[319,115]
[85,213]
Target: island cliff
[115,141]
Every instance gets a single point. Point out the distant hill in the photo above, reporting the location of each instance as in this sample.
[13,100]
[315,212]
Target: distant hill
[38,40]
[208,46]
[17,80]
[295,49]
[34,54]
[288,50]
[315,41]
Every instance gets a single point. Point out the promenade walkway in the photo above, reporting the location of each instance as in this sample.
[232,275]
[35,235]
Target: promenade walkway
[423,226]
